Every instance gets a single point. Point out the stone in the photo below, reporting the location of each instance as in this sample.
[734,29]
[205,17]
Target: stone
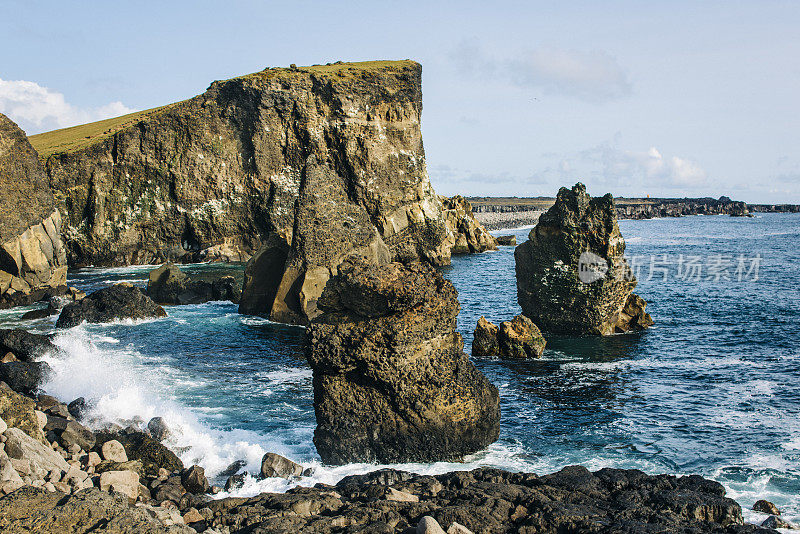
[470,235]
[41,419]
[506,241]
[458,528]
[112,303]
[194,480]
[158,428]
[169,285]
[114,451]
[78,435]
[126,482]
[9,357]
[766,507]
[519,338]
[633,316]
[400,496]
[3,425]
[192,516]
[572,276]
[24,377]
[77,408]
[93,459]
[484,341]
[234,482]
[391,381]
[30,257]
[275,465]
[19,445]
[131,465]
[8,472]
[428,525]
[92,510]
[775,522]
[25,345]
[168,492]
[142,447]
[20,412]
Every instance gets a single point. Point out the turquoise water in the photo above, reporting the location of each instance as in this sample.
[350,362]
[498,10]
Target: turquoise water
[711,389]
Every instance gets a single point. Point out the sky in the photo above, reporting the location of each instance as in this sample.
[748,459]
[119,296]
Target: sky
[667,99]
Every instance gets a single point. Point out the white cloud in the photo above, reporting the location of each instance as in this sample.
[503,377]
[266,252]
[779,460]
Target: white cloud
[37,109]
[593,76]
[673,171]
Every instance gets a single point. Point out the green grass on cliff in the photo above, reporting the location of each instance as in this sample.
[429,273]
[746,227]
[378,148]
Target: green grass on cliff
[76,138]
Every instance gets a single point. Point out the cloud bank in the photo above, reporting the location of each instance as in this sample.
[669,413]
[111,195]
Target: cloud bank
[38,109]
[592,76]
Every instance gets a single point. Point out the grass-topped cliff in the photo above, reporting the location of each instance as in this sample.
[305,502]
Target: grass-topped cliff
[79,137]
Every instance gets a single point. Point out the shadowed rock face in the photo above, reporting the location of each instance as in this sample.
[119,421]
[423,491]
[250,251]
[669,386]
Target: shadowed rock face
[120,301]
[32,254]
[572,276]
[469,234]
[391,382]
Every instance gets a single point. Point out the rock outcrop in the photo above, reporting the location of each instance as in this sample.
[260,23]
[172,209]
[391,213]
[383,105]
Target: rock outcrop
[391,381]
[120,301]
[518,338]
[274,154]
[491,501]
[169,285]
[572,276]
[469,234]
[32,255]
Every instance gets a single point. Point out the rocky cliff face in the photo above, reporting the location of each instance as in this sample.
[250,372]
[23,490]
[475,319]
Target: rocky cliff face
[258,159]
[391,380]
[32,255]
[469,234]
[572,276]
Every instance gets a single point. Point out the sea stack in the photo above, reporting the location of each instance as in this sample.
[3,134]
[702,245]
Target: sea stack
[391,380]
[572,276]
[32,255]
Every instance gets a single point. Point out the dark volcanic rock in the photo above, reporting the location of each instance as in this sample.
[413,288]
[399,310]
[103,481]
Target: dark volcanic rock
[24,377]
[491,501]
[121,301]
[507,240]
[484,341]
[142,447]
[32,255]
[470,235]
[25,345]
[572,276]
[766,507]
[391,383]
[169,285]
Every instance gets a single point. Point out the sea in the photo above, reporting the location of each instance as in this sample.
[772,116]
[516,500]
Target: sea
[711,389]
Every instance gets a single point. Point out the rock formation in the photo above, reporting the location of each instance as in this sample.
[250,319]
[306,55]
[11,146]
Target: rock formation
[391,382]
[216,175]
[169,285]
[32,255]
[572,276]
[469,234]
[518,338]
[120,301]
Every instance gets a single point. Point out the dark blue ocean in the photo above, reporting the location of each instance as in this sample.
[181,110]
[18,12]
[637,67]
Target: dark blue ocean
[711,389]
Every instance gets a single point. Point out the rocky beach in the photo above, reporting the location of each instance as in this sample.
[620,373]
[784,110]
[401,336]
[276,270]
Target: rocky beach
[246,312]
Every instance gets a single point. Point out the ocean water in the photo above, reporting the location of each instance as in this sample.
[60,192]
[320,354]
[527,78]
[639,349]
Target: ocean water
[711,389]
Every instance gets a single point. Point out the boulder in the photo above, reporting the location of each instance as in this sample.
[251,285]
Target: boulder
[142,447]
[428,525]
[158,428]
[391,381]
[24,377]
[519,338]
[484,342]
[572,277]
[125,482]
[775,522]
[76,434]
[194,480]
[19,411]
[169,285]
[506,240]
[42,458]
[32,254]
[113,451]
[77,408]
[766,507]
[275,465]
[121,301]
[470,235]
[25,345]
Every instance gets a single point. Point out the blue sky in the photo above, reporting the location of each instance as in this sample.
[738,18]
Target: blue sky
[660,98]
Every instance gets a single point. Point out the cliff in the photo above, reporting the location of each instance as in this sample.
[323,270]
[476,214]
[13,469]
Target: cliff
[32,255]
[220,174]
